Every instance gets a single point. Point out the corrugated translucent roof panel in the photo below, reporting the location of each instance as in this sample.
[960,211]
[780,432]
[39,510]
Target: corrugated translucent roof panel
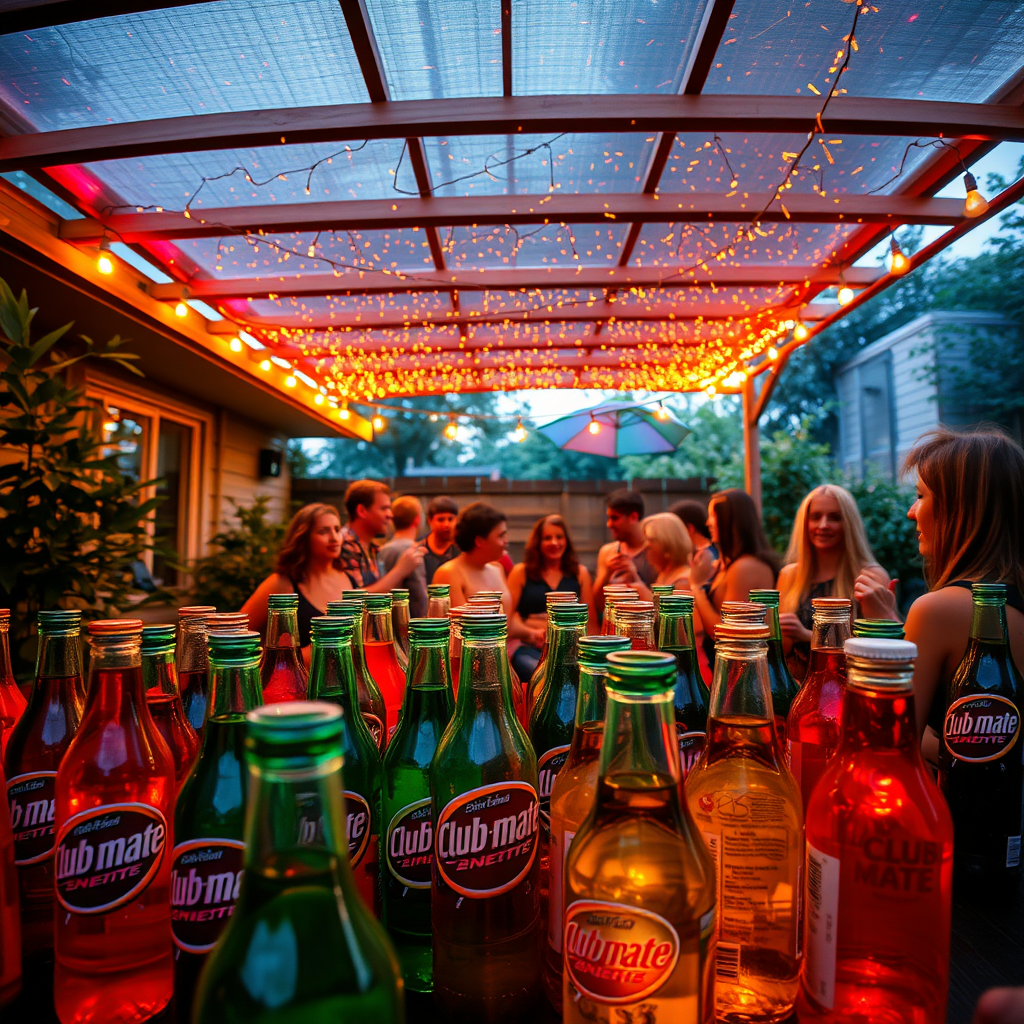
[702,301]
[495,302]
[202,59]
[364,310]
[543,245]
[602,46]
[440,48]
[932,49]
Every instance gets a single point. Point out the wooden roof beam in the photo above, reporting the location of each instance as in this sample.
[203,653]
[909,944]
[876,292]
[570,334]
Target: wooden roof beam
[66,12]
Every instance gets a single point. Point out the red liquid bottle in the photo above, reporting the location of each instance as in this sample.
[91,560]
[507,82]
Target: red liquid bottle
[161,683]
[812,728]
[10,927]
[114,817]
[192,663]
[12,700]
[879,859]
[381,657]
[282,673]
[34,754]
[371,703]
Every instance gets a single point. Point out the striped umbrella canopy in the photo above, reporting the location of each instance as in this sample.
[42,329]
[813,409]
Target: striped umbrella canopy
[618,428]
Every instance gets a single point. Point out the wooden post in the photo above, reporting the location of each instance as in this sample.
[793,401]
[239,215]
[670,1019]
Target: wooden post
[751,444]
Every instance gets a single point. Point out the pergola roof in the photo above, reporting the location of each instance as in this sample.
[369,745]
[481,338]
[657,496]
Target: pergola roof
[396,197]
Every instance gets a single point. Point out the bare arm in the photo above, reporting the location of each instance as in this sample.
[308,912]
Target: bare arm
[256,606]
[448,573]
[871,590]
[601,578]
[407,562]
[793,630]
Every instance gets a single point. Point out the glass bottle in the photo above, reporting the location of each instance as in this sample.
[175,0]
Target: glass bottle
[282,672]
[10,926]
[405,803]
[620,595]
[640,900]
[635,619]
[783,686]
[572,796]
[12,700]
[332,679]
[675,626]
[879,629]
[192,664]
[879,858]
[536,681]
[34,753]
[747,807]
[980,767]
[485,903]
[438,600]
[114,818]
[658,591]
[300,945]
[207,861]
[744,611]
[382,658]
[227,622]
[812,728]
[400,625]
[371,703]
[161,686]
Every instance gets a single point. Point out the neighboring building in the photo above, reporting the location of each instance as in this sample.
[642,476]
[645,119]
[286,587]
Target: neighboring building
[899,386]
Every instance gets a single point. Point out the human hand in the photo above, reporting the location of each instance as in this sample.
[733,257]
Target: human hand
[701,569]
[410,560]
[876,596]
[793,629]
[536,638]
[1000,1006]
[622,569]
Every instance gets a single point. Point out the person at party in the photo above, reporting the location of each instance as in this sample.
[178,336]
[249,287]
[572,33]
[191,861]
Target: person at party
[694,515]
[668,549]
[439,544]
[481,533]
[625,557]
[407,514]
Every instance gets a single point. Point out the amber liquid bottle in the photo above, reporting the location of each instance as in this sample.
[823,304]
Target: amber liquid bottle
[485,902]
[635,619]
[747,807]
[400,625]
[639,916]
[34,754]
[114,816]
[10,926]
[12,700]
[382,657]
[572,795]
[812,728]
[160,681]
[879,858]
[438,600]
[675,627]
[784,687]
[192,664]
[282,673]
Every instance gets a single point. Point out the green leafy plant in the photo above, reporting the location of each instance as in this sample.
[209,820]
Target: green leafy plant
[70,523]
[226,578]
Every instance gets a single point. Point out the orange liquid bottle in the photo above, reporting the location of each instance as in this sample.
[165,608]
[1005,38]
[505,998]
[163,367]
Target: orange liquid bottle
[879,859]
[12,700]
[10,926]
[192,664]
[812,728]
[635,619]
[282,673]
[382,658]
[161,683]
[114,818]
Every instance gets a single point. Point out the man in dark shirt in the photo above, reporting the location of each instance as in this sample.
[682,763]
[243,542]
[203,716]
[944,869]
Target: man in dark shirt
[439,545]
[368,503]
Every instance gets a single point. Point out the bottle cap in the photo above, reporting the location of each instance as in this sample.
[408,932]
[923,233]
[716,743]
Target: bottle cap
[59,620]
[569,614]
[356,592]
[662,588]
[989,593]
[283,602]
[483,626]
[233,643]
[493,594]
[765,597]
[224,621]
[5,616]
[641,673]
[115,627]
[887,628]
[831,604]
[634,611]
[560,597]
[744,611]
[295,728]
[675,604]
[438,589]
[594,650]
[428,630]
[378,602]
[158,639]
[398,595]
[196,611]
[742,631]
[880,649]
[327,628]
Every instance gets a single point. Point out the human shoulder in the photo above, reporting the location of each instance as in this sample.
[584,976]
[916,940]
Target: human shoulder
[786,574]
[750,571]
[445,571]
[518,574]
[583,575]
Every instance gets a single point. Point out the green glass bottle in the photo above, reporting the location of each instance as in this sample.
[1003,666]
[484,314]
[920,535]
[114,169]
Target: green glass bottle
[878,629]
[161,682]
[400,625]
[332,679]
[783,686]
[371,703]
[658,591]
[405,801]
[301,945]
[485,904]
[675,628]
[536,681]
[209,818]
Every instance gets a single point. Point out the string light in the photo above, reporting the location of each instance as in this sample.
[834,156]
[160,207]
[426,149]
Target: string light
[235,345]
[711,391]
[519,434]
[378,423]
[800,331]
[660,412]
[265,365]
[181,309]
[343,413]
[975,204]
[104,264]
[290,381]
[434,417]
[318,398]
[845,295]
[593,426]
[451,429]
[773,353]
[898,262]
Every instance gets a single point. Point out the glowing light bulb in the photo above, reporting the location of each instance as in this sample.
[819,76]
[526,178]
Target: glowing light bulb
[433,417]
[343,413]
[593,426]
[318,398]
[290,381]
[711,391]
[110,426]
[519,434]
[104,264]
[661,412]
[975,204]
[265,365]
[773,353]
[845,295]
[181,309]
[235,345]
[451,430]
[898,262]
[311,252]
[378,423]
[800,331]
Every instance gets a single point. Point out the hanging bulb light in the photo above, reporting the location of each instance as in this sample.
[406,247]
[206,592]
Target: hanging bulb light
[343,413]
[773,353]
[181,309]
[519,434]
[451,429]
[104,264]
[378,423]
[711,391]
[898,262]
[845,293]
[660,412]
[800,331]
[290,381]
[593,426]
[318,398]
[235,345]
[265,365]
[975,204]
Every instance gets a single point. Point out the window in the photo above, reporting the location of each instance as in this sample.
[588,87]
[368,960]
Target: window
[876,414]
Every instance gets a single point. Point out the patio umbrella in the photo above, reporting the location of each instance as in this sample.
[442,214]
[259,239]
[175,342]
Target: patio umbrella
[623,428]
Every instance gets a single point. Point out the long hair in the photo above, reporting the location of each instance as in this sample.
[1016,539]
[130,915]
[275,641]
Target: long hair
[739,528]
[293,558]
[856,554]
[534,560]
[977,479]
[668,530]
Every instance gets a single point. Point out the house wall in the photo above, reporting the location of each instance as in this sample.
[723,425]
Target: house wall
[238,466]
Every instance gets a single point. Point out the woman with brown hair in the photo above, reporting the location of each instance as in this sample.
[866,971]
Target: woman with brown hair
[969,513]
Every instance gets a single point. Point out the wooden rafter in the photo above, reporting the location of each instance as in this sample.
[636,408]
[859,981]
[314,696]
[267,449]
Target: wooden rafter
[66,12]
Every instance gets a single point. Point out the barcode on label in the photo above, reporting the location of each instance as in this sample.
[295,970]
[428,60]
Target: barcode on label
[1012,851]
[727,961]
[814,882]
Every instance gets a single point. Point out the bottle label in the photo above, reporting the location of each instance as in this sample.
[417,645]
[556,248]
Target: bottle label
[559,858]
[691,744]
[980,727]
[205,878]
[376,727]
[618,954]
[822,924]
[487,839]
[107,855]
[411,845]
[549,764]
[357,826]
[30,798]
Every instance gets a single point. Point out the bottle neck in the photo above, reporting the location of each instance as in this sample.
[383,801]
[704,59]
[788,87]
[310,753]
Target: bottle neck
[880,719]
[564,650]
[283,628]
[771,620]
[988,622]
[740,684]
[235,687]
[193,654]
[379,627]
[634,752]
[59,656]
[830,632]
[158,674]
[115,690]
[639,629]
[332,674]
[6,670]
[676,631]
[591,698]
[484,680]
[428,667]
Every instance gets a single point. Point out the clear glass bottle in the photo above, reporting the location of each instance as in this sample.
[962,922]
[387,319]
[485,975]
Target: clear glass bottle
[535,683]
[485,907]
[744,611]
[371,703]
[635,619]
[612,600]
[192,664]
[783,686]
[639,917]
[747,807]
[879,629]
[282,671]
[300,945]
[879,858]
[161,685]
[10,926]
[658,591]
[12,700]
[227,622]
[812,728]
[675,627]
[407,825]
[400,625]
[382,657]
[438,600]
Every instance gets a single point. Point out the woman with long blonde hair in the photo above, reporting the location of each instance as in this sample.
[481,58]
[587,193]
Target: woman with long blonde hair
[829,556]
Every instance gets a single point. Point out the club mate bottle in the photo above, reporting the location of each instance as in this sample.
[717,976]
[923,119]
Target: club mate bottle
[34,753]
[980,766]
[783,686]
[371,703]
[438,600]
[114,817]
[535,683]
[301,945]
[658,591]
[191,663]
[332,679]
[282,672]
[747,807]
[382,658]
[12,700]
[485,900]
[409,836]
[879,872]
[400,625]
[812,728]
[878,629]
[161,684]
[10,925]
[208,821]
[639,917]
[675,627]
[572,796]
